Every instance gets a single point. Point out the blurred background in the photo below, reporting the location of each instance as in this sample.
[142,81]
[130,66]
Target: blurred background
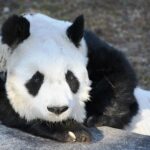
[125,24]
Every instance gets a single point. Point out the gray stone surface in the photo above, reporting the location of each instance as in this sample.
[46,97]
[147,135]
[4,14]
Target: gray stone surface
[104,139]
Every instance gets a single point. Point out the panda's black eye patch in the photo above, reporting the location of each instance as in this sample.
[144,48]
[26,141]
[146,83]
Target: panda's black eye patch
[33,85]
[72,81]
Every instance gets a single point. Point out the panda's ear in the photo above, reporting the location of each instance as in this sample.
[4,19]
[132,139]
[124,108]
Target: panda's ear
[76,30]
[14,30]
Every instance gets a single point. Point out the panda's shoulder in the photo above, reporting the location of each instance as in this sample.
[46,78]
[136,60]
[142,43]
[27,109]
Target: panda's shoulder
[93,41]
[96,46]
[103,54]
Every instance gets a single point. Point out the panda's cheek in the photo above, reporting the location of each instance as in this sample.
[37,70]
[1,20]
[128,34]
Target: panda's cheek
[40,104]
[71,104]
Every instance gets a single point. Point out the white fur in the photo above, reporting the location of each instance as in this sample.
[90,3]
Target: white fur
[48,50]
[141,122]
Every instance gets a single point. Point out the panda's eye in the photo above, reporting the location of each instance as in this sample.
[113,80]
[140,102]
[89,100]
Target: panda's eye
[33,85]
[36,79]
[72,81]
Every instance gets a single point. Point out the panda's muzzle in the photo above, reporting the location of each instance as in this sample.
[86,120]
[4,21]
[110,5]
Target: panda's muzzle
[57,110]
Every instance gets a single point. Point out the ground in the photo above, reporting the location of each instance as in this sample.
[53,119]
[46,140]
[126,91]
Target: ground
[123,23]
[104,138]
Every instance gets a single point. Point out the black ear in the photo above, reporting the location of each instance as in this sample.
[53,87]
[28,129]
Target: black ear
[76,30]
[15,29]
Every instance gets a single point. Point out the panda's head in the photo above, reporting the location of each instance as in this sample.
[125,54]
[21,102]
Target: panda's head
[46,72]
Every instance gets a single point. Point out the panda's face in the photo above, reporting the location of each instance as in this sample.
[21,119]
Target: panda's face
[46,73]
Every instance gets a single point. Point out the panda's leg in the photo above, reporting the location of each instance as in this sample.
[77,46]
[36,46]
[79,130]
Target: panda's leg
[113,116]
[66,131]
[100,95]
[104,120]
[112,104]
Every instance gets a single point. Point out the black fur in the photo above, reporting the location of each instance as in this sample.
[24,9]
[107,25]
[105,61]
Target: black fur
[76,30]
[72,81]
[14,30]
[113,82]
[34,84]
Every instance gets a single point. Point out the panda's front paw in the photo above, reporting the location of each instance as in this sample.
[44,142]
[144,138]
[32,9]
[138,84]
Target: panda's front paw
[81,135]
[64,137]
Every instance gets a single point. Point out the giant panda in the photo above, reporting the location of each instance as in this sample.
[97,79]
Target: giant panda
[61,79]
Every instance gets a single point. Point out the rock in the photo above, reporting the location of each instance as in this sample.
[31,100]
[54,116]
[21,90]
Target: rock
[105,138]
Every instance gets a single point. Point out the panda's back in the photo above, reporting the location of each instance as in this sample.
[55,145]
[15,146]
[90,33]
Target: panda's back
[113,83]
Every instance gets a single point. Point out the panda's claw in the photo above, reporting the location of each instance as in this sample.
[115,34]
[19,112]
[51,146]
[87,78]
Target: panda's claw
[63,137]
[72,135]
[83,135]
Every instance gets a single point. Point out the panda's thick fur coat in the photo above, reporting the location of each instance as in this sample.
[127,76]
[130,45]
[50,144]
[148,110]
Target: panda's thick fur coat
[62,79]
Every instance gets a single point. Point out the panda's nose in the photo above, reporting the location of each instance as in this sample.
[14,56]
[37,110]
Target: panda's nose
[57,110]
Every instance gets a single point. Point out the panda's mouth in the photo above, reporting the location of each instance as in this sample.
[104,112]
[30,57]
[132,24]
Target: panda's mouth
[60,115]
